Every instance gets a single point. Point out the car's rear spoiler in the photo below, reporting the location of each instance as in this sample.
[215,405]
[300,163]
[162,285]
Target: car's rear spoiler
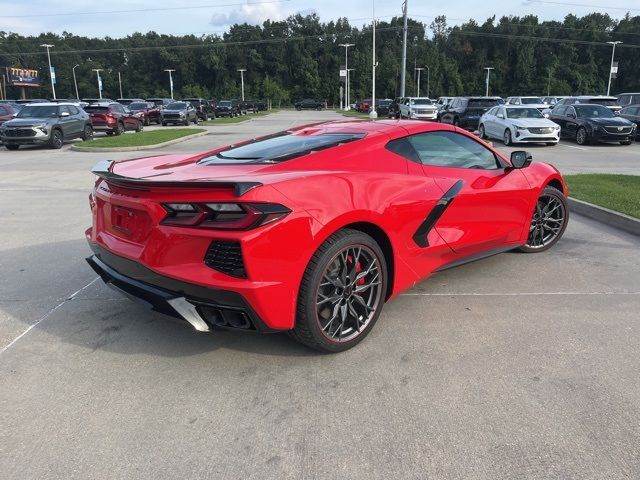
[104,169]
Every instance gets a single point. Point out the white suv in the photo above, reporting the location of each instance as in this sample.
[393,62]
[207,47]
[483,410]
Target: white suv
[418,108]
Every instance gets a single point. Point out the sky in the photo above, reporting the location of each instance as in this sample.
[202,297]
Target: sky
[99,19]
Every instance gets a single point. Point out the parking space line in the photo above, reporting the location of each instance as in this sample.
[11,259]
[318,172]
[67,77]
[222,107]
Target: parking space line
[44,317]
[572,146]
[513,294]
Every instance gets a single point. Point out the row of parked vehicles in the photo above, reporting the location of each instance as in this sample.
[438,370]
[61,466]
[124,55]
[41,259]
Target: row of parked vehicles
[526,119]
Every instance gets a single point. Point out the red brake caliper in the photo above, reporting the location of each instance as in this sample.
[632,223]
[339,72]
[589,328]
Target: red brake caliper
[358,270]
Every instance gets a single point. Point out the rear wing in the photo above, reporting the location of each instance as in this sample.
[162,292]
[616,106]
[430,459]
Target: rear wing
[104,170]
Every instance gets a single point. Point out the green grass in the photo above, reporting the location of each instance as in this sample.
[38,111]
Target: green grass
[616,192]
[141,139]
[353,113]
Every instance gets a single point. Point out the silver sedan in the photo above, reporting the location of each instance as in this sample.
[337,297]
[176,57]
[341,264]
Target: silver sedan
[518,125]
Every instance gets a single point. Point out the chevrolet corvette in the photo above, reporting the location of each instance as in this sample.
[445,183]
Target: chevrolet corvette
[313,229]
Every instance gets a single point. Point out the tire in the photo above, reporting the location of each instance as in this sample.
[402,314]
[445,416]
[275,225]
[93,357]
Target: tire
[119,129]
[87,134]
[196,121]
[557,219]
[57,140]
[139,127]
[147,122]
[506,138]
[551,144]
[164,124]
[186,122]
[481,133]
[12,147]
[626,142]
[109,133]
[456,122]
[332,258]
[582,138]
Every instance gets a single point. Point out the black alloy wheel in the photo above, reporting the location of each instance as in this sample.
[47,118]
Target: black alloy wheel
[582,138]
[87,134]
[549,221]
[12,147]
[56,140]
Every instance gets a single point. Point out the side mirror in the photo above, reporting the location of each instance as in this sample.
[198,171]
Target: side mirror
[521,159]
[64,114]
[545,115]
[14,115]
[499,115]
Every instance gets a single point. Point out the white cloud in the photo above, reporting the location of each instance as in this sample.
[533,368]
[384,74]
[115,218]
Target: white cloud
[251,13]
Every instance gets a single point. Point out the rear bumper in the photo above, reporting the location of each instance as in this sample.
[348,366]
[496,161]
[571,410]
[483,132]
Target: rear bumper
[204,308]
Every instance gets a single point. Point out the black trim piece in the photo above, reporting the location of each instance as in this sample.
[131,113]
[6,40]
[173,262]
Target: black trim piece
[140,283]
[476,256]
[420,237]
[103,169]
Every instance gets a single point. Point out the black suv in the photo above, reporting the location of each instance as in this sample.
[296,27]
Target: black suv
[203,108]
[632,113]
[626,99]
[228,108]
[394,108]
[309,104]
[249,106]
[465,112]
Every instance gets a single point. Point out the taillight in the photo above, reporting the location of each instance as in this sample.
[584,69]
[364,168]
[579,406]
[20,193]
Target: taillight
[223,216]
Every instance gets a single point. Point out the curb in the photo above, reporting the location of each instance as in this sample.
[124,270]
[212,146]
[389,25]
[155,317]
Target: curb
[228,124]
[614,219]
[76,148]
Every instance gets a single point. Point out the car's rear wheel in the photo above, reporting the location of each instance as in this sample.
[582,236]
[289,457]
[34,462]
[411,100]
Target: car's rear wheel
[12,147]
[342,292]
[548,222]
[164,124]
[119,129]
[56,140]
[147,122]
[582,138]
[87,134]
[506,138]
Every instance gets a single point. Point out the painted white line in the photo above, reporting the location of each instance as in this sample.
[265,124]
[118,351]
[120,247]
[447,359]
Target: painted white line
[44,317]
[573,146]
[518,294]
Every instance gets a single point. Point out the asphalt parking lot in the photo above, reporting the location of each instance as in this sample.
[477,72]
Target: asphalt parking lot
[514,367]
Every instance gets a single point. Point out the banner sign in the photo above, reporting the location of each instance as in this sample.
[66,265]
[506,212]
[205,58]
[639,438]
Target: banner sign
[52,70]
[614,70]
[22,77]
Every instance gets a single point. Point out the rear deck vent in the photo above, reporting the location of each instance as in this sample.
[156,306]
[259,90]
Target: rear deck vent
[226,257]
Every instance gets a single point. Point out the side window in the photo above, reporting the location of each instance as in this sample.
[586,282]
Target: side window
[635,99]
[3,111]
[453,150]
[623,99]
[63,109]
[570,110]
[560,110]
[402,147]
[73,110]
[118,108]
[634,111]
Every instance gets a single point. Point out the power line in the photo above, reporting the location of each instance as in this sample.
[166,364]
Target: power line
[586,5]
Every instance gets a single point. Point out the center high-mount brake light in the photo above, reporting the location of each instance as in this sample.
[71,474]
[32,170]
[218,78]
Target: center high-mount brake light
[223,216]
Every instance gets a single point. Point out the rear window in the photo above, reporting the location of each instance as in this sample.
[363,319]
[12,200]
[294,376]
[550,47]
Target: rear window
[138,105]
[280,147]
[94,109]
[482,103]
[606,102]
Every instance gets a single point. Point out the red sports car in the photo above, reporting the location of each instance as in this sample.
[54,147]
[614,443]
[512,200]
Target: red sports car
[312,230]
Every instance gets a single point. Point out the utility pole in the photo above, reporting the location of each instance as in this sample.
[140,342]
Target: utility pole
[488,69]
[98,70]
[120,83]
[373,114]
[170,80]
[428,78]
[418,69]
[404,48]
[346,67]
[242,70]
[75,83]
[613,53]
[549,84]
[52,73]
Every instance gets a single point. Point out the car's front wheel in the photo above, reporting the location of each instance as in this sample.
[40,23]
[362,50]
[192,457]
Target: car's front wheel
[507,138]
[548,222]
[481,133]
[582,138]
[342,292]
[56,141]
[12,147]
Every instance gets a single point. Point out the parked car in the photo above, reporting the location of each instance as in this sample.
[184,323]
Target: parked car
[590,123]
[394,108]
[7,112]
[418,108]
[443,102]
[534,102]
[160,102]
[97,100]
[382,106]
[551,101]
[179,112]
[129,101]
[24,101]
[610,102]
[46,124]
[626,99]
[518,124]
[465,112]
[317,251]
[203,108]
[261,105]
[309,104]
[74,101]
[363,106]
[228,108]
[632,113]
[146,111]
[113,118]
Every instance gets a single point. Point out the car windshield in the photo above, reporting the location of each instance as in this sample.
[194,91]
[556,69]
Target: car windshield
[280,147]
[483,103]
[607,102]
[523,113]
[138,105]
[177,106]
[531,100]
[224,103]
[384,103]
[38,111]
[421,101]
[593,111]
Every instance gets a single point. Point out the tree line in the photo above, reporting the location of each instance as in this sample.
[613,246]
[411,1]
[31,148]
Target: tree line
[300,57]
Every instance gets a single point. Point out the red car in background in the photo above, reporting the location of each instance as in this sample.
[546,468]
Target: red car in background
[145,111]
[112,118]
[7,111]
[312,230]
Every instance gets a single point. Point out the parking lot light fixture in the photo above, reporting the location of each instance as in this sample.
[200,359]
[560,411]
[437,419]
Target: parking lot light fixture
[170,80]
[98,70]
[346,67]
[52,75]
[242,70]
[488,69]
[613,54]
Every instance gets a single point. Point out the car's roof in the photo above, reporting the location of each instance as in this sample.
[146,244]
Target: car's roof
[49,104]
[599,97]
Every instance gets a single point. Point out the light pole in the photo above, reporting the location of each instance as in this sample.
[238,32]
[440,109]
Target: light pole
[613,53]
[170,80]
[372,113]
[488,69]
[52,74]
[405,9]
[120,83]
[242,70]
[75,83]
[98,70]
[346,67]
[428,78]
[418,69]
[549,84]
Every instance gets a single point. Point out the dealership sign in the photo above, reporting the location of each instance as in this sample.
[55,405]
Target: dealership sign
[23,77]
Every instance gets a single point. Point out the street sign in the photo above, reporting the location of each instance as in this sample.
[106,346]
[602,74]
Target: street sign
[614,70]
[53,75]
